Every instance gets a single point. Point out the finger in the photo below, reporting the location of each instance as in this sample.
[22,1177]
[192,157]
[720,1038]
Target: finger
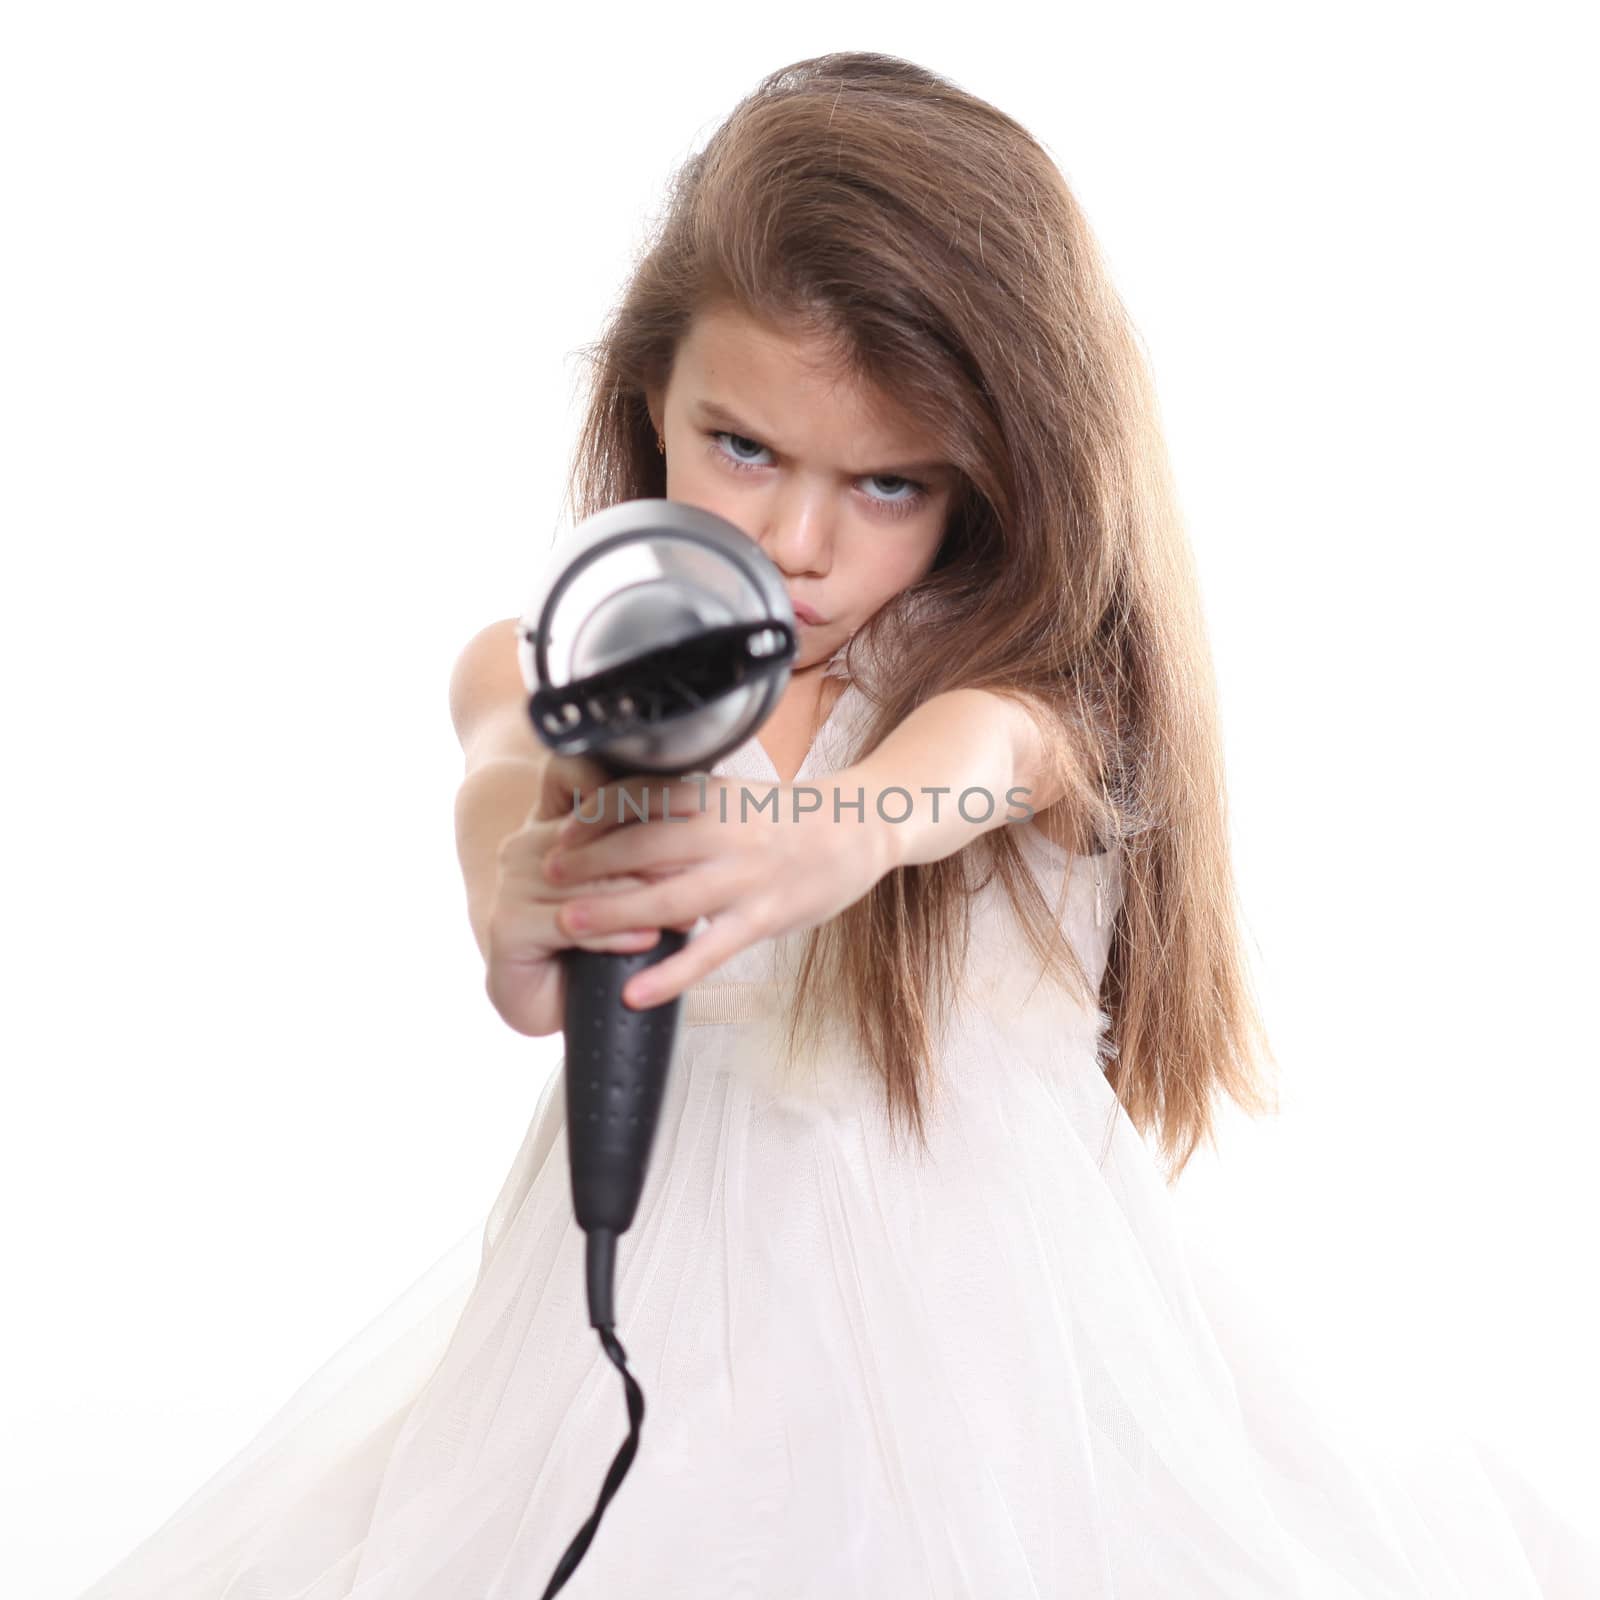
[600,810]
[653,855]
[622,883]
[528,924]
[631,939]
[724,937]
[663,904]
[564,776]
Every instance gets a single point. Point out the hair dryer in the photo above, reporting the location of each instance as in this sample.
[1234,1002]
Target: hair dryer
[660,639]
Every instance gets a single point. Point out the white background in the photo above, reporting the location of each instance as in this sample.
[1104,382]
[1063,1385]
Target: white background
[291,309]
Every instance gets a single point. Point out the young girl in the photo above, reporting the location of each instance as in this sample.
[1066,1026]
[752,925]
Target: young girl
[904,1290]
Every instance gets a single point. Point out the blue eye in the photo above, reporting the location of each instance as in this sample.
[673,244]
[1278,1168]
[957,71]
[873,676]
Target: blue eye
[900,507]
[739,461]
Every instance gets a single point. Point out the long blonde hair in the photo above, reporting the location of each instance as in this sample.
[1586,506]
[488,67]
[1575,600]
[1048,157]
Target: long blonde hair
[936,247]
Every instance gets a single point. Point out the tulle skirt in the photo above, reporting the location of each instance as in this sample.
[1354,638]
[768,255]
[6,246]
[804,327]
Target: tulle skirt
[994,1369]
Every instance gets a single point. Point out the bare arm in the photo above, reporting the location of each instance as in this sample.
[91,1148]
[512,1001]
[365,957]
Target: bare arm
[505,762]
[968,740]
[510,804]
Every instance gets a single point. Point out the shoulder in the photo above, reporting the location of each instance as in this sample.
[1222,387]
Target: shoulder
[488,701]
[1038,734]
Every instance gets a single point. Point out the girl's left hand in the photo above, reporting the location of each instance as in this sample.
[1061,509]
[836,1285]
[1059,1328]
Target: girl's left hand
[755,876]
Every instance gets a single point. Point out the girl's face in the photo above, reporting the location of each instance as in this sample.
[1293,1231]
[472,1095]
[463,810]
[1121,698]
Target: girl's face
[845,499]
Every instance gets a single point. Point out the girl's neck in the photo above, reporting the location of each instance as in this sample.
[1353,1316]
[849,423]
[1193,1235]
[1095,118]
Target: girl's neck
[788,734]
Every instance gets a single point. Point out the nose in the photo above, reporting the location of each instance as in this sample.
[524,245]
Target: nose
[798,528]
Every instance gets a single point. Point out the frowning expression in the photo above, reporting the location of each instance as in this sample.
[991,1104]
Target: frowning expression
[842,494]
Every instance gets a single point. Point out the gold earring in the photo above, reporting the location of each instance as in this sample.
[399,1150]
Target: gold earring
[661,444]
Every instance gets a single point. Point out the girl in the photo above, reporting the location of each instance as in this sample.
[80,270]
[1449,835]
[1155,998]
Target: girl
[904,1288]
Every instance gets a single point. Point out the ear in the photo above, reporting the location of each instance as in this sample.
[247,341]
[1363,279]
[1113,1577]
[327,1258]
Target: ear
[653,401]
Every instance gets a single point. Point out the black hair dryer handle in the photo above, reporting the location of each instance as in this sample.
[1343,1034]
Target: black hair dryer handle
[616,1072]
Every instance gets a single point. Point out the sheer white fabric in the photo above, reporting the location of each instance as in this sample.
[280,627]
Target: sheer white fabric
[996,1371]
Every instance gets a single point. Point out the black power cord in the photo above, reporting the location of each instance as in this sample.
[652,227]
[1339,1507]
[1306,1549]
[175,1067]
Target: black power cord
[601,1247]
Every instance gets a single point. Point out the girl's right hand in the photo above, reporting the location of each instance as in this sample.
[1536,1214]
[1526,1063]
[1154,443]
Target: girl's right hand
[526,978]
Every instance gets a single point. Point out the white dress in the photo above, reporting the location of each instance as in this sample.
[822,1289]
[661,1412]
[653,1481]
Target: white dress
[995,1374]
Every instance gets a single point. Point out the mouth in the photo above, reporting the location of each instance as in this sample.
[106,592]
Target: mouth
[804,614]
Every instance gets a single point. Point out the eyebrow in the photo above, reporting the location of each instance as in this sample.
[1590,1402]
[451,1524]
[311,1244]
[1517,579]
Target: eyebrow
[712,411]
